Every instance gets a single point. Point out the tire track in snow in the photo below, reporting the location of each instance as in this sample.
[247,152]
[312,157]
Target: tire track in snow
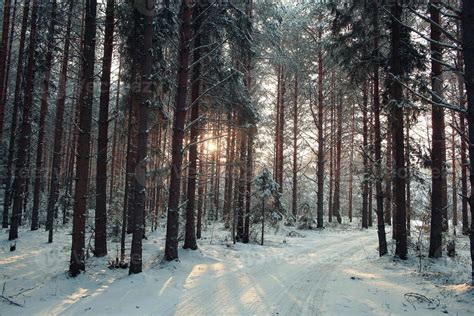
[273,286]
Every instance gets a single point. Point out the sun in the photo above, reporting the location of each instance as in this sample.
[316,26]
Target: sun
[211,147]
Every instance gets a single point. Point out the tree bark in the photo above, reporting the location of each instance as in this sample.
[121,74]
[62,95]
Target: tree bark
[145,60]
[251,130]
[462,126]
[249,176]
[379,195]
[294,201]
[43,112]
[467,16]
[228,181]
[277,124]
[20,180]
[438,147]
[365,181]
[9,57]
[321,159]
[100,245]
[58,127]
[331,150]
[396,110]
[3,60]
[337,165]
[240,236]
[129,197]
[279,132]
[408,173]
[113,163]
[454,171]
[201,189]
[14,120]
[370,152]
[388,176]
[190,231]
[77,262]
[171,247]
[351,165]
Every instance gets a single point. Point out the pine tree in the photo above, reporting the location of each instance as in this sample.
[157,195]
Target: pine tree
[44,108]
[102,141]
[58,127]
[321,145]
[77,261]
[438,174]
[171,247]
[467,16]
[14,119]
[20,180]
[190,235]
[145,23]
[397,118]
[3,60]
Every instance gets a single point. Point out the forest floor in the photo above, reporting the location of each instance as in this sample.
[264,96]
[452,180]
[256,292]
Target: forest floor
[335,271]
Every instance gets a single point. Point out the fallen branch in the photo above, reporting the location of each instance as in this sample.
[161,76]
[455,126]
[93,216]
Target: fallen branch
[10,301]
[413,298]
[27,290]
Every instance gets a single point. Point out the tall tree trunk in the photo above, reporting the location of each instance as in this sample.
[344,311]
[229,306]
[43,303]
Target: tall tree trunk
[321,159]
[337,165]
[235,192]
[464,176]
[370,207]
[351,165]
[379,195]
[408,173]
[242,178]
[281,128]
[145,60]
[438,149]
[43,112]
[218,169]
[113,163]
[74,130]
[249,176]
[14,120]
[100,245]
[228,172]
[454,171]
[251,130]
[294,201]
[171,247]
[9,57]
[20,181]
[365,181]
[58,128]
[74,137]
[331,150]
[201,188]
[396,95]
[129,197]
[277,124]
[388,175]
[127,208]
[462,127]
[467,16]
[190,231]
[3,60]
[77,262]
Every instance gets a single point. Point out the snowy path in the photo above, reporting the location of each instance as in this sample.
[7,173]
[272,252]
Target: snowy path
[324,273]
[291,282]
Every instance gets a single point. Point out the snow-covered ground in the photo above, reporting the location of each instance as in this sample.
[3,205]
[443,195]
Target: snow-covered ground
[329,272]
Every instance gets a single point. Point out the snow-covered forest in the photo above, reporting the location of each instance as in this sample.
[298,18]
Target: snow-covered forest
[237,157]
